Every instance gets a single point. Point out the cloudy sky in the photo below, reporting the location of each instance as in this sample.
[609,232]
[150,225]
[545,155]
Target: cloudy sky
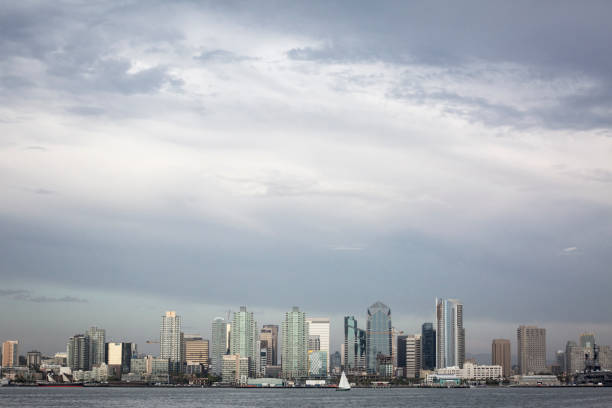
[197,156]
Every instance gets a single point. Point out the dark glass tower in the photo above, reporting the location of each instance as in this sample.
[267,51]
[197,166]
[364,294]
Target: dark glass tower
[428,345]
[378,335]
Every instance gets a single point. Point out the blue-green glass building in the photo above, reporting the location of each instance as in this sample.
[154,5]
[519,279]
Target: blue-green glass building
[378,335]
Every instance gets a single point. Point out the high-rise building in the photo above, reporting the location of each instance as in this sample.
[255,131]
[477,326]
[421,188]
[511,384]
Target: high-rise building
[317,363]
[196,349]
[531,349]
[269,333]
[413,356]
[401,355]
[394,334]
[560,359]
[428,346]
[500,355]
[33,358]
[354,346]
[574,358]
[244,337]
[320,326]
[170,340]
[295,344]
[450,334]
[235,369]
[118,358]
[78,350]
[378,336]
[97,341]
[587,340]
[10,355]
[336,362]
[218,346]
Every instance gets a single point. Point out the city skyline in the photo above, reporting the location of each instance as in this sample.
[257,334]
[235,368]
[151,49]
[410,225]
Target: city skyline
[197,156]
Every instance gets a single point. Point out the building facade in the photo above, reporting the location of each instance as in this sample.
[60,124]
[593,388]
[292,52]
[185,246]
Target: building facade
[10,354]
[413,356]
[97,341]
[531,349]
[378,337]
[244,337]
[450,334]
[320,327]
[269,333]
[78,351]
[428,346]
[118,358]
[218,346]
[354,346]
[294,359]
[500,355]
[170,340]
[196,350]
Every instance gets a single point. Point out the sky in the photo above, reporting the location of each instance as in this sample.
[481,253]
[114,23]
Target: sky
[201,156]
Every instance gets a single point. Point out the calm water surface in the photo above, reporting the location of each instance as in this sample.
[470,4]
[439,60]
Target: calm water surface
[297,398]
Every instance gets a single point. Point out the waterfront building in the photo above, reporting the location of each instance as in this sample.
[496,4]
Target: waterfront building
[269,333]
[317,363]
[10,354]
[531,349]
[263,357]
[574,358]
[235,369]
[97,341]
[354,346]
[118,358]
[244,337]
[138,365]
[413,355]
[500,355]
[560,359]
[401,355]
[33,359]
[336,362]
[78,351]
[294,360]
[378,337]
[472,371]
[170,340]
[219,341]
[320,326]
[394,334]
[428,346]
[605,357]
[450,334]
[196,349]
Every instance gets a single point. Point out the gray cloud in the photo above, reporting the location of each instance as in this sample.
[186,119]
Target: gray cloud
[25,295]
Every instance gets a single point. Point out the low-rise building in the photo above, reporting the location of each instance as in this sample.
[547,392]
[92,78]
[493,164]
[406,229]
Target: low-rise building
[471,371]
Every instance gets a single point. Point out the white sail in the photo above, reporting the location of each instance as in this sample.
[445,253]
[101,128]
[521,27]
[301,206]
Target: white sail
[344,384]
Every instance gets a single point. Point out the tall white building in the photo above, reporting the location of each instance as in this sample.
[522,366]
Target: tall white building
[450,335]
[97,340]
[320,326]
[170,339]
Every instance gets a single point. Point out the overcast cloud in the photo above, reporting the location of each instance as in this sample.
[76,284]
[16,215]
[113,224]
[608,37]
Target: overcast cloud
[203,156]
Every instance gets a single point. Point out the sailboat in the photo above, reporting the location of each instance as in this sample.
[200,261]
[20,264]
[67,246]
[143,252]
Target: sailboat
[344,384]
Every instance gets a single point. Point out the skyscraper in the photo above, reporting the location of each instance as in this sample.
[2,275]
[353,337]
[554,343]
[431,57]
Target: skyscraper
[450,334]
[244,337]
[269,333]
[378,335]
[97,341]
[78,350]
[531,347]
[320,326]
[295,345]
[428,346]
[574,358]
[170,340]
[587,340]
[413,356]
[218,347]
[394,334]
[500,355]
[10,355]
